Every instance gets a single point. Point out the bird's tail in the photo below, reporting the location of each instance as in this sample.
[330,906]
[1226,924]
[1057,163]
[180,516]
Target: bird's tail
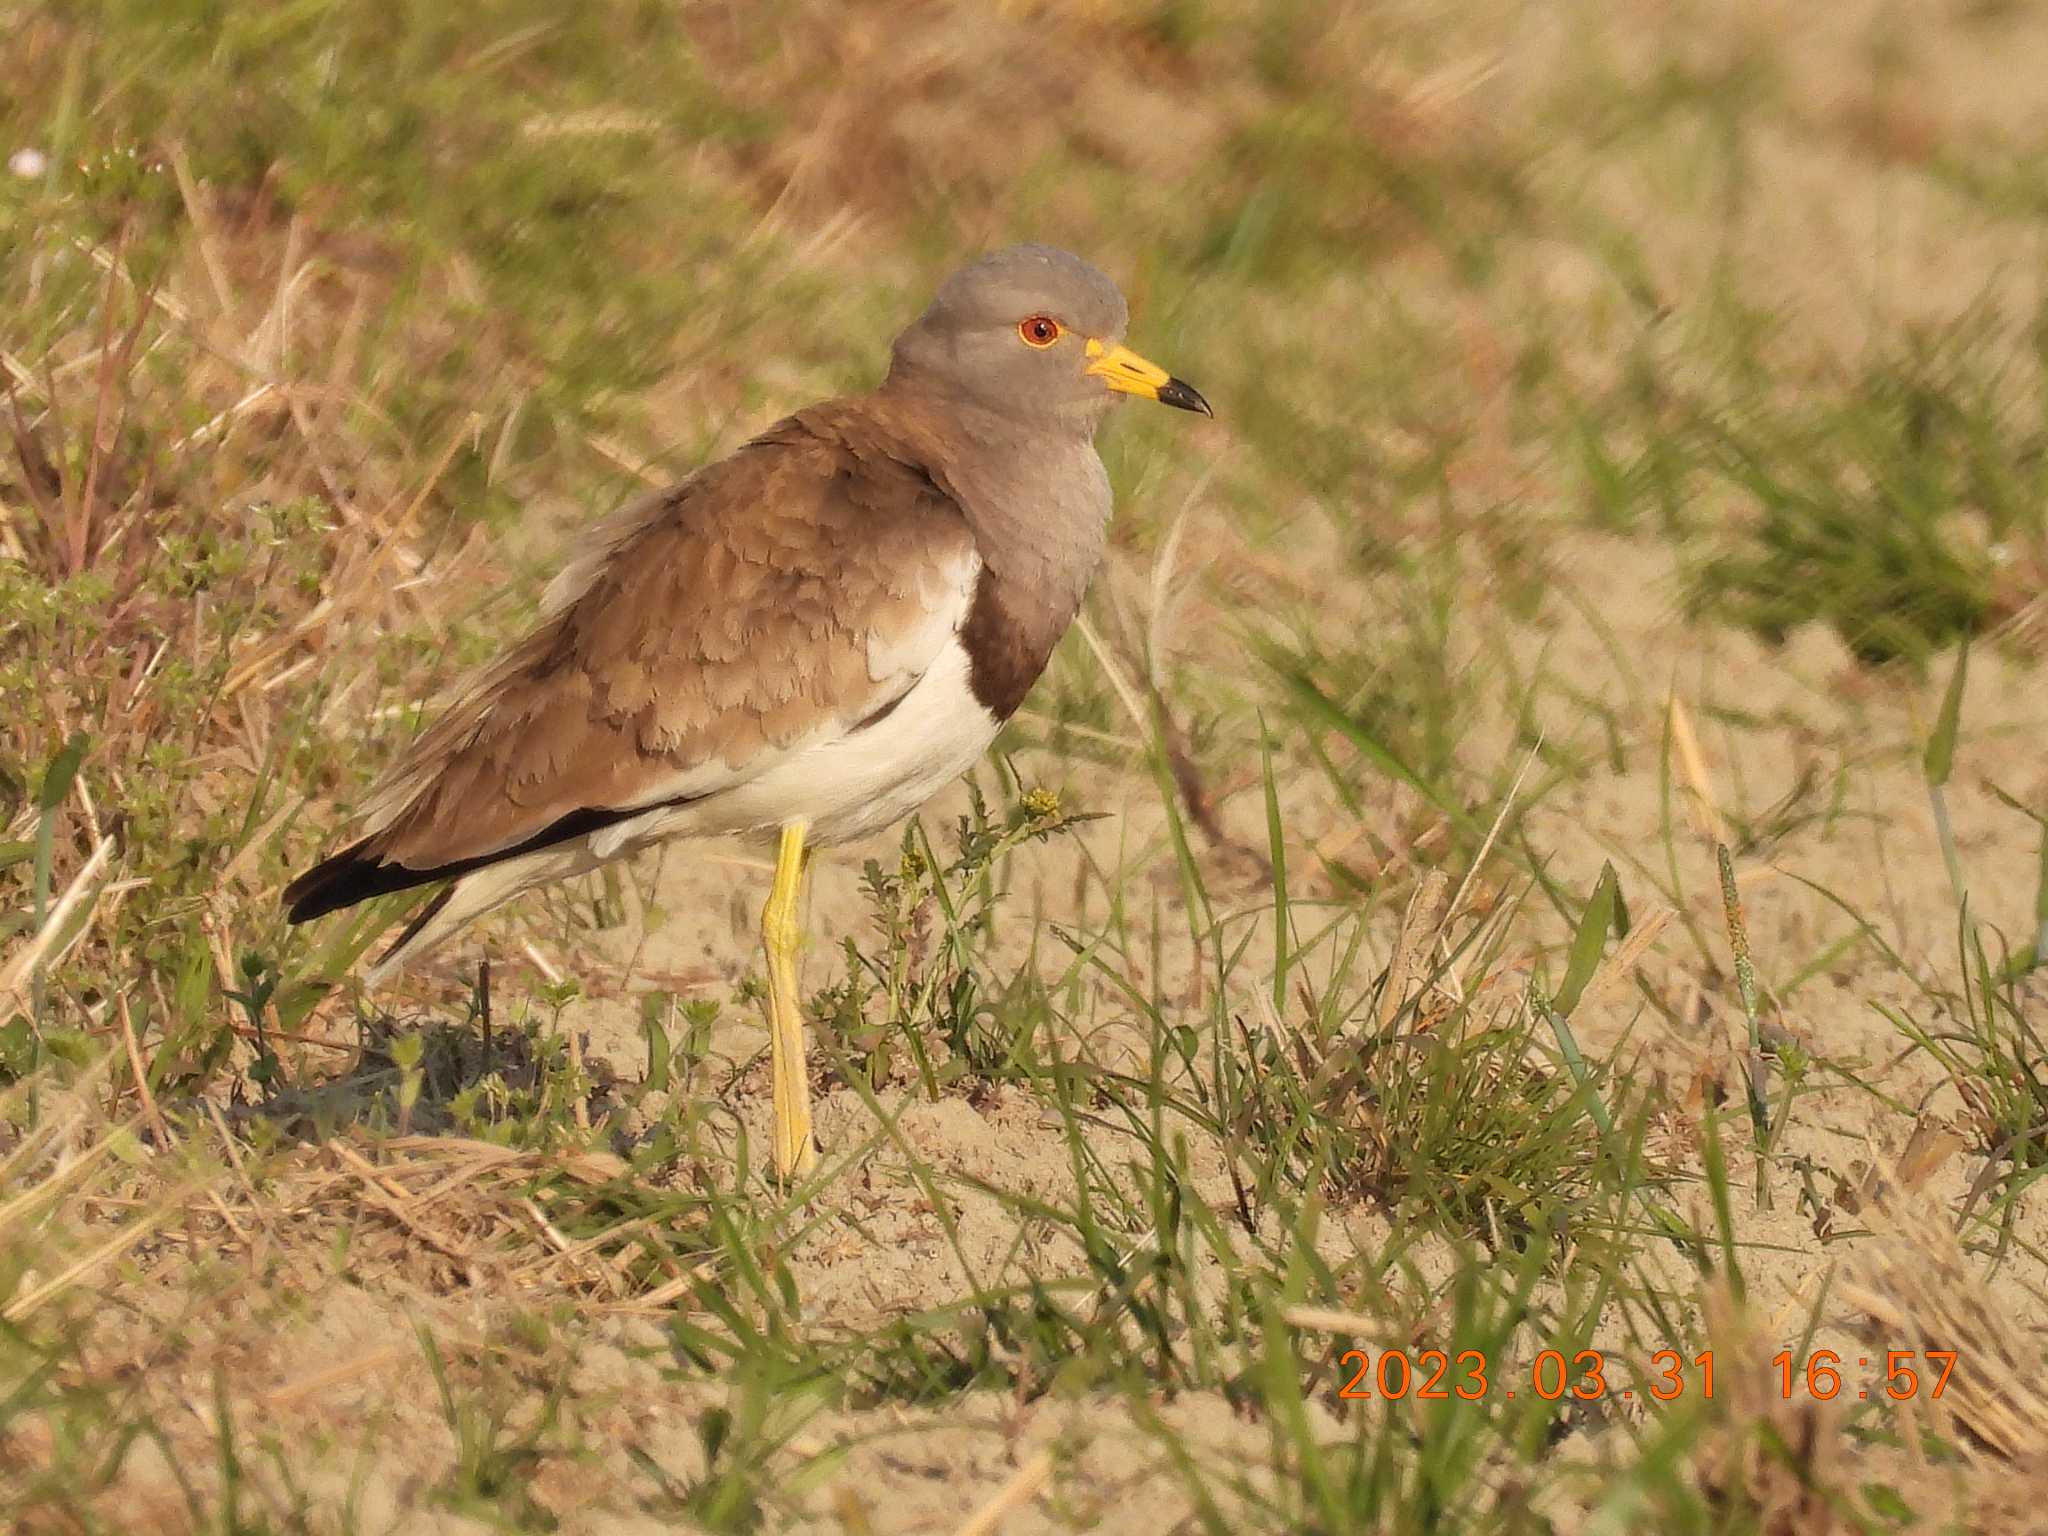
[471,897]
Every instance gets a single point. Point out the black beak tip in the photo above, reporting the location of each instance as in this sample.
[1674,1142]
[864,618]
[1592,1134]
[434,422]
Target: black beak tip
[1183,397]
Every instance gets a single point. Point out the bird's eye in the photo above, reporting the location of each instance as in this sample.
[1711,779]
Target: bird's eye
[1039,331]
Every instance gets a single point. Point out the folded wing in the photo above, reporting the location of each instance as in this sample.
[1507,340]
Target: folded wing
[799,587]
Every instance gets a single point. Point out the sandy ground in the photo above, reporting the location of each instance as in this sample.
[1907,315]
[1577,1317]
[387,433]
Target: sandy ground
[875,1248]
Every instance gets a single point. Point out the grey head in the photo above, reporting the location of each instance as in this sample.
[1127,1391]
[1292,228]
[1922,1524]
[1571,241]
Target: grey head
[1035,334]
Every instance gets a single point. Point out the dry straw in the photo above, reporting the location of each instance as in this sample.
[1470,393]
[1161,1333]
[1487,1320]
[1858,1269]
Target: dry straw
[1919,1291]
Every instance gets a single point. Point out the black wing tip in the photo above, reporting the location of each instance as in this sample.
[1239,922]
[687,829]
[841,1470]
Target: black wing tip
[344,879]
[356,874]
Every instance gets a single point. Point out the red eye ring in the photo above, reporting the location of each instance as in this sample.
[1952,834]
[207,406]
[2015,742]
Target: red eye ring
[1039,331]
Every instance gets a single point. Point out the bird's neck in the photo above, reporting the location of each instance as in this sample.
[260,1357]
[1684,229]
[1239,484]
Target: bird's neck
[1035,493]
[1037,501]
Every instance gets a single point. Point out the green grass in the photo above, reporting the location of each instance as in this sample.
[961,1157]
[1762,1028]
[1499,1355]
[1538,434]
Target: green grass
[1901,511]
[1300,928]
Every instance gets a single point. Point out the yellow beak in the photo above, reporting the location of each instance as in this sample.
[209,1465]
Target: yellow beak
[1127,373]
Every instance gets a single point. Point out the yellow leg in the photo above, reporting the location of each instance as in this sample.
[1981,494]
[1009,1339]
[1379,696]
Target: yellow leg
[794,1153]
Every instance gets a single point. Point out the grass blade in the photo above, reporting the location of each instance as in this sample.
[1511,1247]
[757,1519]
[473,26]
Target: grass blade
[1589,941]
[2041,906]
[1745,985]
[1276,852]
[1939,762]
[1940,759]
[56,785]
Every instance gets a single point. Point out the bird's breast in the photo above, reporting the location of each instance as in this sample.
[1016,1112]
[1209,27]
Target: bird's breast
[849,783]
[1039,533]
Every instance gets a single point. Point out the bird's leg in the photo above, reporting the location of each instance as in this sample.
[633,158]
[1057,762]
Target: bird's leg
[794,1153]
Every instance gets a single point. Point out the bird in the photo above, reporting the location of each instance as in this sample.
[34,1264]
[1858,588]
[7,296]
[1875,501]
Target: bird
[798,644]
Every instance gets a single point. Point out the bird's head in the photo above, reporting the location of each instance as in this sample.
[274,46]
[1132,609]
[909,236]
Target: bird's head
[1034,333]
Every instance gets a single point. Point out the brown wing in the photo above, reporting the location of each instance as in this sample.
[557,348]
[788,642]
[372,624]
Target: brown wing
[803,583]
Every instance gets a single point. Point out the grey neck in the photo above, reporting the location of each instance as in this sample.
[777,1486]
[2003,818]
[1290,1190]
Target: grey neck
[1035,494]
[1037,501]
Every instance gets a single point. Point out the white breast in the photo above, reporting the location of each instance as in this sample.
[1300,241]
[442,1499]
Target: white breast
[860,782]
[843,778]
